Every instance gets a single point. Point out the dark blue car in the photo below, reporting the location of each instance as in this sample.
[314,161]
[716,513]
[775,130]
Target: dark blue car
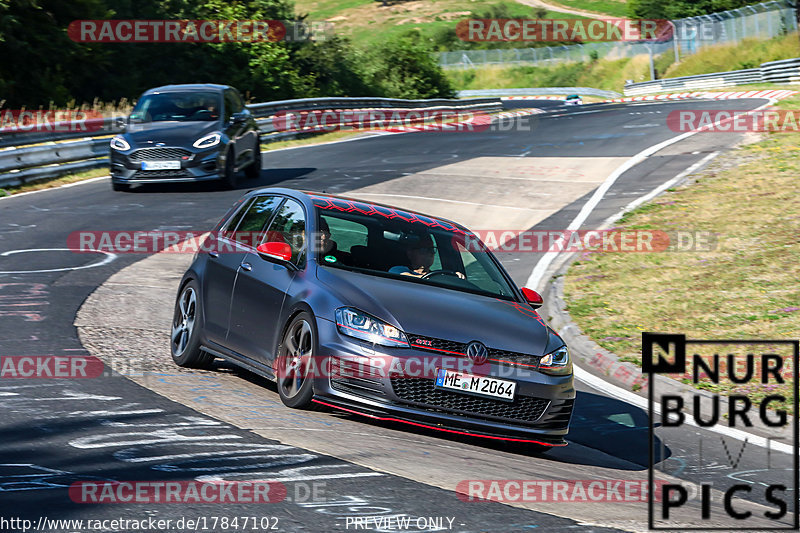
[378,311]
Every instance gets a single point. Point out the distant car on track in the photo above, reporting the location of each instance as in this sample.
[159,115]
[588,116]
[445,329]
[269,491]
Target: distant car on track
[573,99]
[378,311]
[185,133]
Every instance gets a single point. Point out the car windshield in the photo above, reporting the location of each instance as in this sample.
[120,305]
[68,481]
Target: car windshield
[421,250]
[573,97]
[195,106]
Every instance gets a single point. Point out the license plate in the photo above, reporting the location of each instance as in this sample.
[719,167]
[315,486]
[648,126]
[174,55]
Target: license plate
[480,385]
[161,165]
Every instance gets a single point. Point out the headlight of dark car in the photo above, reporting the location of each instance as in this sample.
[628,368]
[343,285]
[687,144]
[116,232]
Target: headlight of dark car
[360,325]
[557,362]
[208,141]
[119,143]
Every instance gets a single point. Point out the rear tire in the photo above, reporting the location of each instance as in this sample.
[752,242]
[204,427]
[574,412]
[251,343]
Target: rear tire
[296,355]
[230,176]
[185,334]
[120,187]
[253,170]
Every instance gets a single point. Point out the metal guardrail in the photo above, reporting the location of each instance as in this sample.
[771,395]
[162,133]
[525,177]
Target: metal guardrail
[784,71]
[541,91]
[31,156]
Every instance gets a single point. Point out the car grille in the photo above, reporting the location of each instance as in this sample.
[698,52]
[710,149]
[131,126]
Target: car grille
[155,154]
[422,392]
[355,379]
[147,174]
[460,348]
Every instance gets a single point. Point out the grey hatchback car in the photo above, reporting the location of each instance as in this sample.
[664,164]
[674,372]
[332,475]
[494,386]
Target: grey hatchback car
[377,311]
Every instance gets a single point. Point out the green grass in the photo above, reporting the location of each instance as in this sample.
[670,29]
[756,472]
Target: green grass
[602,74]
[745,286]
[749,53]
[612,8]
[55,182]
[369,23]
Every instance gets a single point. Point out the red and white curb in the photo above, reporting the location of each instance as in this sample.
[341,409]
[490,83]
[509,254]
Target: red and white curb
[533,97]
[479,120]
[769,93]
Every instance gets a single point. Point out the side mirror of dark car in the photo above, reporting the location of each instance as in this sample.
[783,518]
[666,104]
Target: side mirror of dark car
[120,123]
[275,251]
[533,297]
[238,118]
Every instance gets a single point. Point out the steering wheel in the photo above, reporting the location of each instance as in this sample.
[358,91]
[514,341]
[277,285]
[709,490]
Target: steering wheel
[440,273]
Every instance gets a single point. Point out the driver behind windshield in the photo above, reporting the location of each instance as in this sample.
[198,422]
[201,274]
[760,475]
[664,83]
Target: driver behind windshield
[420,253]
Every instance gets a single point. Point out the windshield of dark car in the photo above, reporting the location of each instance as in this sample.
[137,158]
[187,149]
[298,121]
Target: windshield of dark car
[406,251]
[195,106]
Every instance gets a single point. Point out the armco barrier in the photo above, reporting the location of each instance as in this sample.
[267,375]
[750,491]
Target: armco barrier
[541,91]
[784,71]
[34,155]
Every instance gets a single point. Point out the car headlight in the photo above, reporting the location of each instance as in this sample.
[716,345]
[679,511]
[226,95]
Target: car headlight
[208,141]
[557,362]
[360,325]
[119,143]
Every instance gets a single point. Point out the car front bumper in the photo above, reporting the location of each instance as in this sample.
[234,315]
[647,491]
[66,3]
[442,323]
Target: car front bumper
[397,385]
[206,165]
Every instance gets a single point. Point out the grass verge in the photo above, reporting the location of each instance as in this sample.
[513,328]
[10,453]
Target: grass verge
[611,8]
[745,286]
[54,182]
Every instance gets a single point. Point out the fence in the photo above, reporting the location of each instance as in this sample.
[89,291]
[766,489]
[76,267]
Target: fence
[784,71]
[763,21]
[30,156]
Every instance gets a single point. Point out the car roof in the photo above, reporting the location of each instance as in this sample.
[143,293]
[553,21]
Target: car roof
[188,87]
[308,196]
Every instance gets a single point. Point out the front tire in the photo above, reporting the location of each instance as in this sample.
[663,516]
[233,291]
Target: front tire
[185,334]
[295,359]
[253,170]
[230,175]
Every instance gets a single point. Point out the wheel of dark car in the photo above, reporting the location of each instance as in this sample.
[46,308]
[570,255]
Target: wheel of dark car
[185,335]
[294,363]
[120,187]
[253,170]
[230,176]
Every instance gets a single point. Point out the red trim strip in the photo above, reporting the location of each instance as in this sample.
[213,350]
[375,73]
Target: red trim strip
[391,419]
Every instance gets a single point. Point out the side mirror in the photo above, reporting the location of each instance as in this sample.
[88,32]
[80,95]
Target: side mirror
[238,118]
[275,250]
[120,123]
[533,297]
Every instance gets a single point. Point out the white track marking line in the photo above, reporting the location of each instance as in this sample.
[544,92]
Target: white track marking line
[65,186]
[537,276]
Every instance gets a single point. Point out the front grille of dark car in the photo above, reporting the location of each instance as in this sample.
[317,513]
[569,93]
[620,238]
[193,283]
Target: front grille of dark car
[157,154]
[558,415]
[460,348]
[422,393]
[146,174]
[354,379]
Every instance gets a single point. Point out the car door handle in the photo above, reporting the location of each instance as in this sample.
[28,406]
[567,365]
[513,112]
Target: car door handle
[213,255]
[246,266]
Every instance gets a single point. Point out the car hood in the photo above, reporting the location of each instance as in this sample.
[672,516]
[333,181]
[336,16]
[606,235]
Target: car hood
[170,133]
[441,313]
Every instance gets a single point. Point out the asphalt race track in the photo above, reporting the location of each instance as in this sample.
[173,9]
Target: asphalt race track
[60,431]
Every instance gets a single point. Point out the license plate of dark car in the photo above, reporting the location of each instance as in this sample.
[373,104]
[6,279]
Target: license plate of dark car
[161,165]
[472,384]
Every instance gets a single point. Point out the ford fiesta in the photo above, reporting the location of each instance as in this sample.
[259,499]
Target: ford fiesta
[378,311]
[180,133]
